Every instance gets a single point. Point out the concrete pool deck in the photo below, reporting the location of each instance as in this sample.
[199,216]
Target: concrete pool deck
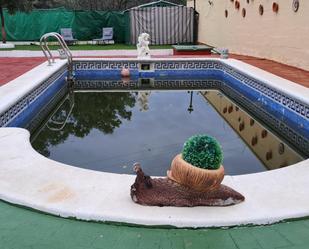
[31,180]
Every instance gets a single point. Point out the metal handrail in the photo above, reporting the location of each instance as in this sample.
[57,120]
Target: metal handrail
[46,50]
[64,46]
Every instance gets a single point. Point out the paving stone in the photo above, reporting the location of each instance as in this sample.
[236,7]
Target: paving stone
[296,233]
[195,240]
[305,246]
[305,222]
[268,237]
[218,238]
[152,238]
[243,238]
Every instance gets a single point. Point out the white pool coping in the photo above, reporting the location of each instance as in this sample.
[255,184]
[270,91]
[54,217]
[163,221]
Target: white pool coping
[29,179]
[24,84]
[78,53]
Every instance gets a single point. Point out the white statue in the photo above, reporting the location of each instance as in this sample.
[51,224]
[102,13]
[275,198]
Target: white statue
[143,51]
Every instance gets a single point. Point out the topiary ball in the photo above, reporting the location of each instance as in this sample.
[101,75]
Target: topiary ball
[203,152]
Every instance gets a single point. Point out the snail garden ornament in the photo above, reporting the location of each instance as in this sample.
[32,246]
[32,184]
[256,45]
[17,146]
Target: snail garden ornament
[194,179]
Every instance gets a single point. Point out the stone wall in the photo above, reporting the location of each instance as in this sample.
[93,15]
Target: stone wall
[282,36]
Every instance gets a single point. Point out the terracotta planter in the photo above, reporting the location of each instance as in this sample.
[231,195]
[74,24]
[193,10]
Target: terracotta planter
[275,7]
[243,12]
[193,177]
[261,9]
[295,5]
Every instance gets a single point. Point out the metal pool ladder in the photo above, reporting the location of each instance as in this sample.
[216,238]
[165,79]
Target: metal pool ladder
[65,49]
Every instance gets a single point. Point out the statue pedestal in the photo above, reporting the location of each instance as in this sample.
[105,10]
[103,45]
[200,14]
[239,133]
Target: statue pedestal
[144,58]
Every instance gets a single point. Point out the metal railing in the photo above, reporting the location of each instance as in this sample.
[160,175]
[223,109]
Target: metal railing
[64,47]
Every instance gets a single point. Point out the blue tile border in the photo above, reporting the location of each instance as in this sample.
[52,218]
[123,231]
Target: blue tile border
[279,97]
[16,114]
[92,85]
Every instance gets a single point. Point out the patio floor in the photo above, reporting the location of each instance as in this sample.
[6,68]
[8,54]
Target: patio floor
[24,229]
[11,68]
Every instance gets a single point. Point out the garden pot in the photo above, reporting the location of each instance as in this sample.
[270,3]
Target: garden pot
[193,177]
[275,7]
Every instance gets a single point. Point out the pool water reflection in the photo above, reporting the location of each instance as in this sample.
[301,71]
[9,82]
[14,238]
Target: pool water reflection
[109,131]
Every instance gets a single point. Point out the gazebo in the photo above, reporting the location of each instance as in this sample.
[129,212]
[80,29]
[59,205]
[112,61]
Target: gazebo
[165,22]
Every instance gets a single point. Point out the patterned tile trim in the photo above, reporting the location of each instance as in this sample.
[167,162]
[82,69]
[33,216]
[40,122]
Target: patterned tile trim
[21,104]
[283,99]
[101,65]
[153,84]
[194,65]
[158,65]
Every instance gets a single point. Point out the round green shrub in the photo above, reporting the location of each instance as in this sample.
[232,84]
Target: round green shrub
[203,151]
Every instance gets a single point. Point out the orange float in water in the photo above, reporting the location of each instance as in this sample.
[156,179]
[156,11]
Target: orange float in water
[125,72]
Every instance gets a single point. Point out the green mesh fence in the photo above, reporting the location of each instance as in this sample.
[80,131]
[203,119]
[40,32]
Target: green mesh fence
[86,25]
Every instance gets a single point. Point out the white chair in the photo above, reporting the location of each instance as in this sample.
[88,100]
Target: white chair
[107,36]
[67,35]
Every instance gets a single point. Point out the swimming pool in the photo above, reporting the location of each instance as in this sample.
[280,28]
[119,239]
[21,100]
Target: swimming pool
[110,131]
[32,180]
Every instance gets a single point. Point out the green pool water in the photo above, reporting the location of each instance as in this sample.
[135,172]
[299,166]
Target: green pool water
[110,131]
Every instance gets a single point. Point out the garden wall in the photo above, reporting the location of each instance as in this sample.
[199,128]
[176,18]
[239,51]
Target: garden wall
[281,36]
